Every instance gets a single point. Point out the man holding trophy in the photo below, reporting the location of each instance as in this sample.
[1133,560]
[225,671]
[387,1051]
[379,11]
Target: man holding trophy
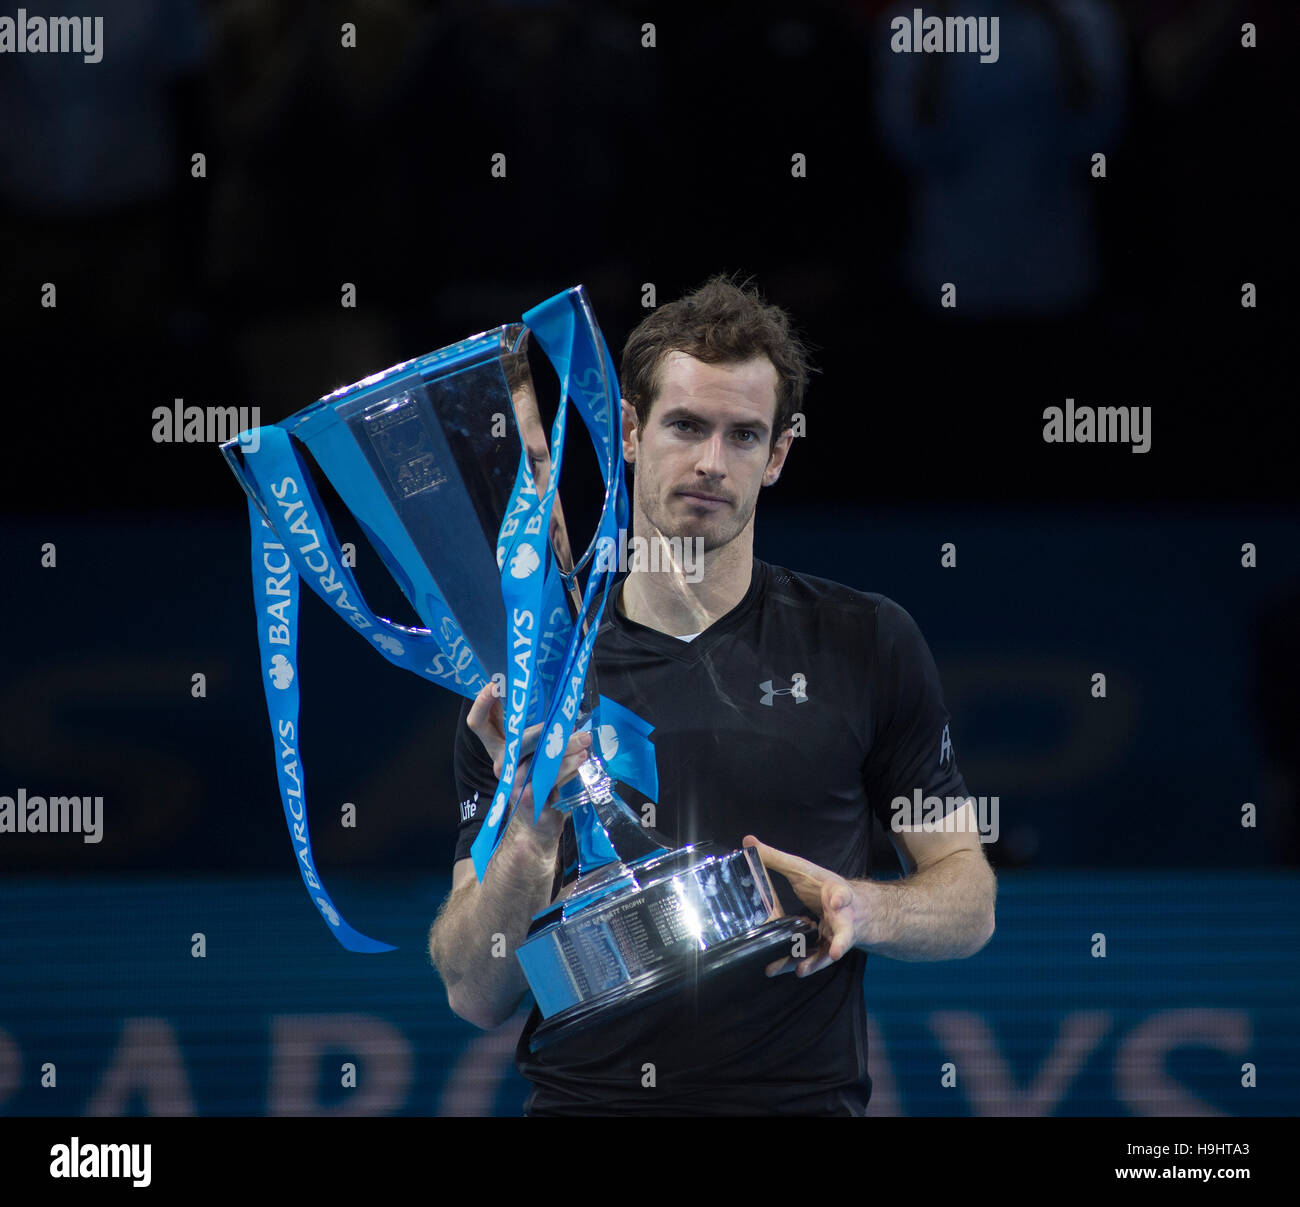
[785,711]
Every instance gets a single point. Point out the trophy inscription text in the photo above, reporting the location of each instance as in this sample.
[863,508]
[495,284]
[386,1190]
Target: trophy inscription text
[403,445]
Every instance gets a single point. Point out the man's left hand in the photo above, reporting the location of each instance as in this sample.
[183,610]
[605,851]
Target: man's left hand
[833,900]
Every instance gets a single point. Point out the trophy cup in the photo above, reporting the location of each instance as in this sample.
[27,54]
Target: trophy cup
[445,464]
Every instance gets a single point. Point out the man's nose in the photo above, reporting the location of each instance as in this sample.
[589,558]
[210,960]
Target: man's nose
[710,462]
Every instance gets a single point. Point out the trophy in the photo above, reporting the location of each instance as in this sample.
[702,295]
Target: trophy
[444,462]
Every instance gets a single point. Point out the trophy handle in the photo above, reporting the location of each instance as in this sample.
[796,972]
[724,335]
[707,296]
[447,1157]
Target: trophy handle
[614,453]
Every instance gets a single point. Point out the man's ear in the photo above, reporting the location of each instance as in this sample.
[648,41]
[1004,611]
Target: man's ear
[776,462]
[629,432]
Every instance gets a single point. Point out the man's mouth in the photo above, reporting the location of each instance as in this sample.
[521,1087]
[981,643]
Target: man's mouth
[699,496]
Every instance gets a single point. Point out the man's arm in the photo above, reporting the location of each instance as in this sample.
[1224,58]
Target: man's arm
[943,910]
[473,940]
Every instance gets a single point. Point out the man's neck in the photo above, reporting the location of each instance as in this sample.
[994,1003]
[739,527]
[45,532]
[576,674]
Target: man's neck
[667,601]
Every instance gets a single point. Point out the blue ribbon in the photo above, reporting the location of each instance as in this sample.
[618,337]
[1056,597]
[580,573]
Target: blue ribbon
[625,749]
[440,655]
[524,556]
[277,632]
[302,544]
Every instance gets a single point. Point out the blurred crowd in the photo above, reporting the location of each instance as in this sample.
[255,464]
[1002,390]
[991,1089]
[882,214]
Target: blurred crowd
[324,164]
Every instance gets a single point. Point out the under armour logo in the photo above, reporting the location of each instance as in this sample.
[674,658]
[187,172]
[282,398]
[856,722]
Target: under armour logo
[945,748]
[798,689]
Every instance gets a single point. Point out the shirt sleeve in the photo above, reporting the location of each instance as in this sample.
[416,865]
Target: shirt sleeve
[911,746]
[475,783]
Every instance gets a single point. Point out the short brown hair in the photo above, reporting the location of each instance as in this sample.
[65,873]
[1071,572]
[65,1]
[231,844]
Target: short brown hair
[721,322]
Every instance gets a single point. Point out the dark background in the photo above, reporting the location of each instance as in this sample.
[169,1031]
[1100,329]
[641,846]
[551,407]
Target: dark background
[628,166]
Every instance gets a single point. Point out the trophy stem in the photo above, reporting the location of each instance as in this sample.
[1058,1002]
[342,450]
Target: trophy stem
[609,834]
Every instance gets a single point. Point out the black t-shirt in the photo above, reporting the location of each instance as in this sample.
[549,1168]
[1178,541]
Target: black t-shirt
[795,716]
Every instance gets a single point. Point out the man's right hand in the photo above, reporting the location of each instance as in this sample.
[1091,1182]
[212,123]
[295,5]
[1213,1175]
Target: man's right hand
[464,938]
[487,720]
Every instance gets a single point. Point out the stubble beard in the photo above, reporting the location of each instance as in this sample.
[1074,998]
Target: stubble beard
[718,530]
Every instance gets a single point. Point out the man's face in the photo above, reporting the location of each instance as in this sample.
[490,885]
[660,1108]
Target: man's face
[706,449]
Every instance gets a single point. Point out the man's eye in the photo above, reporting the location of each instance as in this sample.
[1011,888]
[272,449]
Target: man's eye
[684,425]
[748,437]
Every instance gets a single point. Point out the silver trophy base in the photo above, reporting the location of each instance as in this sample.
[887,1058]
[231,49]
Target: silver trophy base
[635,933]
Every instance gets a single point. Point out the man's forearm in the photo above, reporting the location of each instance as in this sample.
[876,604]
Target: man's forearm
[944,912]
[473,940]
